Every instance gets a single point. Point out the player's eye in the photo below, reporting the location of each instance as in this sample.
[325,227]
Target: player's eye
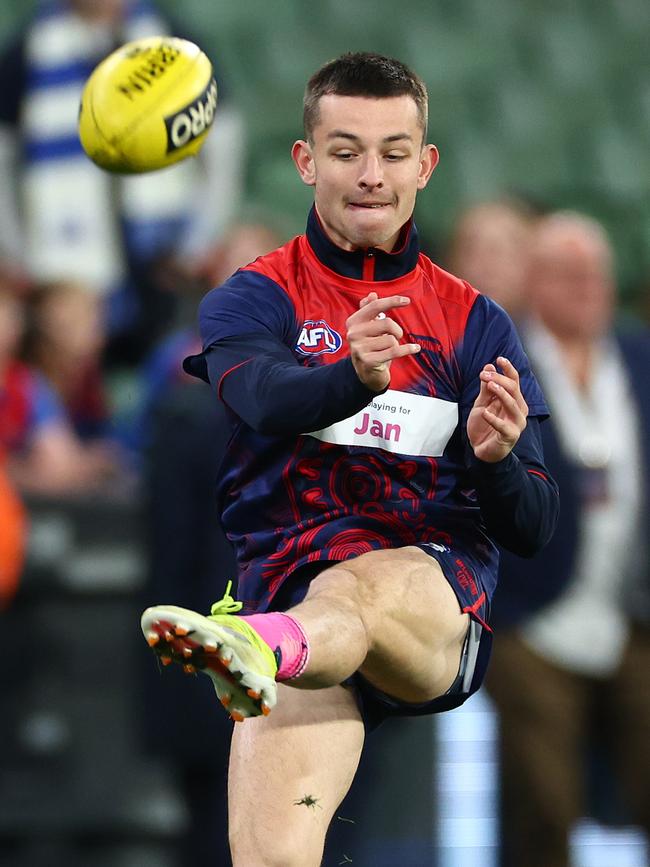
[395,157]
[344,155]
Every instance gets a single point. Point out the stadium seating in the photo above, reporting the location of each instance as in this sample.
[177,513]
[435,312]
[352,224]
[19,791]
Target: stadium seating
[550,100]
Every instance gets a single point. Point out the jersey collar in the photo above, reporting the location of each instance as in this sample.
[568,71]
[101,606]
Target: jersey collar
[370,264]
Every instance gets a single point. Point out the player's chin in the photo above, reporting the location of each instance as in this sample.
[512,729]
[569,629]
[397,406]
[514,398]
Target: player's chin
[373,228]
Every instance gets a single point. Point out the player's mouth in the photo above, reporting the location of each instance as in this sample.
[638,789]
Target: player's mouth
[369,206]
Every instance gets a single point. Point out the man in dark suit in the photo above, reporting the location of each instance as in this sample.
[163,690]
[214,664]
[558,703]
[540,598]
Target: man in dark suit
[572,653]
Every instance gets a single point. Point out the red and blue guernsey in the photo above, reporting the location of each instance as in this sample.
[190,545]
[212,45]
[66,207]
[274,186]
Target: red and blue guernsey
[320,468]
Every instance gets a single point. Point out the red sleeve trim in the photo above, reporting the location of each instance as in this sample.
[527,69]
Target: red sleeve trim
[537,473]
[224,375]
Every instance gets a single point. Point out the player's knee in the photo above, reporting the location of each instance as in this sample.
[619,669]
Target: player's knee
[357,583]
[344,585]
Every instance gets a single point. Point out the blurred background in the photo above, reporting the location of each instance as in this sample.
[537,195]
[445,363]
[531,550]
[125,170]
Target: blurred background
[108,452]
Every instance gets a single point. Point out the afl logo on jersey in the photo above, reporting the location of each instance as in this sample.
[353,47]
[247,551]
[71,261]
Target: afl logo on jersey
[317,337]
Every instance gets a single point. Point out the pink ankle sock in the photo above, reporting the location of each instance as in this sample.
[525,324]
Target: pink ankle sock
[285,637]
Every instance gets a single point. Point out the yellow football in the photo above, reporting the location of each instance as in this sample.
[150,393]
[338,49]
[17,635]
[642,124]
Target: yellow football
[149,104]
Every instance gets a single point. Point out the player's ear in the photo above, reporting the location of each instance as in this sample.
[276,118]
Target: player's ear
[304,160]
[428,161]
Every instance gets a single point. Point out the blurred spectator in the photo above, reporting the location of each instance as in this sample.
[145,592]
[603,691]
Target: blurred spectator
[489,249]
[44,455]
[162,370]
[570,665]
[62,218]
[64,340]
[244,242]
[185,433]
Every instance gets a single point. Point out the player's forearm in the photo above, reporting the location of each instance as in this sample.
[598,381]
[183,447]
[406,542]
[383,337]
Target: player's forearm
[282,398]
[518,497]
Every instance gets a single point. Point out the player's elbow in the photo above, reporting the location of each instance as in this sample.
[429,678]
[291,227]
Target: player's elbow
[532,538]
[269,424]
[526,547]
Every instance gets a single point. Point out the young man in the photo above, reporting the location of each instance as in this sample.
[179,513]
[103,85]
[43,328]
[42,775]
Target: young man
[384,432]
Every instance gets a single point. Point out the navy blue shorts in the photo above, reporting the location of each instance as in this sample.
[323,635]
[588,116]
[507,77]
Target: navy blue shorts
[462,574]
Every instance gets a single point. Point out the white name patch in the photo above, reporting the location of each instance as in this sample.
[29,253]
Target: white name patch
[407,424]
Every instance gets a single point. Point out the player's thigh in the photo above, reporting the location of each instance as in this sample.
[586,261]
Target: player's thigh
[288,774]
[404,586]
[419,624]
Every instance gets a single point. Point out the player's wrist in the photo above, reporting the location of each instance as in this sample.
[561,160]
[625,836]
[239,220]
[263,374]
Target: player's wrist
[376,384]
[375,379]
[491,466]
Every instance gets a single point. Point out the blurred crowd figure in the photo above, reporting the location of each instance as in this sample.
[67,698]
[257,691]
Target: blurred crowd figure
[569,672]
[129,240]
[489,248]
[64,339]
[184,436]
[44,454]
[162,369]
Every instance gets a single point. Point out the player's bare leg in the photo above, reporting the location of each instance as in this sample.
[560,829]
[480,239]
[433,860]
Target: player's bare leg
[288,774]
[391,615]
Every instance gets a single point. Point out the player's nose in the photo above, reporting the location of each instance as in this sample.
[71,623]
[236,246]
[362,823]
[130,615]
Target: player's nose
[371,175]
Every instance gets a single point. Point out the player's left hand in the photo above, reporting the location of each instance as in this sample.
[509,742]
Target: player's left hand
[499,413]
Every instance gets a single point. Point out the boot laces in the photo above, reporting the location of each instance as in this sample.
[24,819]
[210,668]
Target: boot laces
[226,605]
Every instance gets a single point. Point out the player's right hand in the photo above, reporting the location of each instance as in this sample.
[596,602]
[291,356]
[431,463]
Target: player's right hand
[373,338]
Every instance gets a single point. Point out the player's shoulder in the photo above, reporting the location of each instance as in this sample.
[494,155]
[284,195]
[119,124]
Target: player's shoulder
[280,264]
[256,293]
[454,290]
[266,275]
[447,286]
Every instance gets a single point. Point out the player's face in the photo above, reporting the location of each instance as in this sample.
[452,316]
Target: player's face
[366,164]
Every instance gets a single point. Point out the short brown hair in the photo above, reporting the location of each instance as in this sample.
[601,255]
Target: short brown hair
[363,74]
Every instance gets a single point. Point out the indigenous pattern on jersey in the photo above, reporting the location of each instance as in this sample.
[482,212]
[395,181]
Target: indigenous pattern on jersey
[394,474]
